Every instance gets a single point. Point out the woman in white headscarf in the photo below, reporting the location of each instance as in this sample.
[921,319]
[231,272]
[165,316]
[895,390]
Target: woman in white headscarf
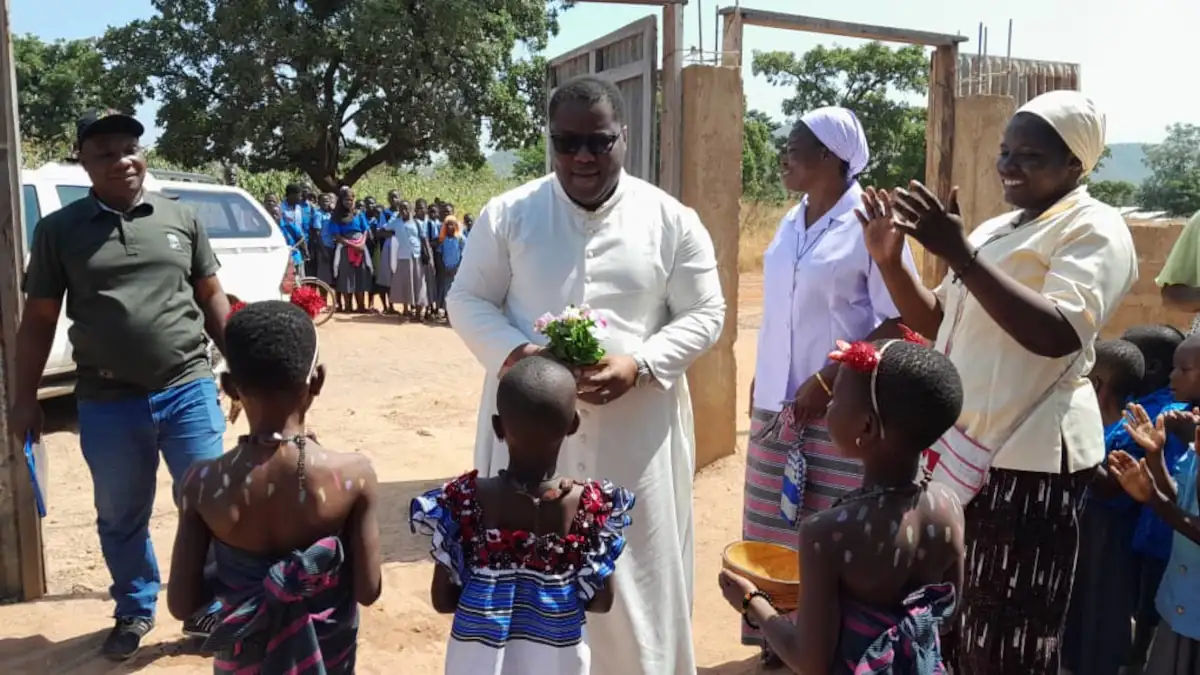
[1018,314]
[819,286]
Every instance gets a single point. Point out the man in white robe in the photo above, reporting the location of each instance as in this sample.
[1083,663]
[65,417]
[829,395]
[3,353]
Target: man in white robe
[591,234]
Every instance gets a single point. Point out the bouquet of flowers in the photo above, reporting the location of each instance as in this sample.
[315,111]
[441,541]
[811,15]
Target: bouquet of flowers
[574,335]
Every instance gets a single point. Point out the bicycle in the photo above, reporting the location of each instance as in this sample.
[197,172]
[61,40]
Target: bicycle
[295,278]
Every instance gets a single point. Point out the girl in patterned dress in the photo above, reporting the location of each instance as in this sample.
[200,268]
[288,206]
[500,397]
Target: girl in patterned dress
[879,569]
[523,555]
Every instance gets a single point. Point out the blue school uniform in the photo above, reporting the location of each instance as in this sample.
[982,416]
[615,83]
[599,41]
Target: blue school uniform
[293,235]
[451,251]
[1179,595]
[358,225]
[328,231]
[299,216]
[1153,537]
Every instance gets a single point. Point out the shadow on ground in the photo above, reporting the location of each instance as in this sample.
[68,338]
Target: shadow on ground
[396,538]
[38,655]
[747,667]
[60,414]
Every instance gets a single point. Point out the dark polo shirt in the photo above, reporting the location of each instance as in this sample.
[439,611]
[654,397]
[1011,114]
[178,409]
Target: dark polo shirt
[128,281]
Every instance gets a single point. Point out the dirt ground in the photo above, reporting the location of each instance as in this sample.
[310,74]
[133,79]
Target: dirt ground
[405,396]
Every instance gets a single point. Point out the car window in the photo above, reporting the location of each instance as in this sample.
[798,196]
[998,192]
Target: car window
[225,215]
[71,193]
[33,212]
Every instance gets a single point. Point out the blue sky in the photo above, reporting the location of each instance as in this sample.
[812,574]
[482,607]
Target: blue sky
[1137,61]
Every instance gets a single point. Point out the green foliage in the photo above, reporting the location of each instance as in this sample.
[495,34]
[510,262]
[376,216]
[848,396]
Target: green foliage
[1114,192]
[56,83]
[531,160]
[866,80]
[574,337]
[760,158]
[1174,182]
[284,85]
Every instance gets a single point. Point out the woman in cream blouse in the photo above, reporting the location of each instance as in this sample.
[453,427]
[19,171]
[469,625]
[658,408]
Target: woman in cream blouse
[1018,314]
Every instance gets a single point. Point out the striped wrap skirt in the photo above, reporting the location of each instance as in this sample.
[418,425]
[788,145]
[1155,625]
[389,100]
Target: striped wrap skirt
[829,475]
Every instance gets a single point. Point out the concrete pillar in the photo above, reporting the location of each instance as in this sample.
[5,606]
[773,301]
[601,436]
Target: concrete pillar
[978,128]
[712,185]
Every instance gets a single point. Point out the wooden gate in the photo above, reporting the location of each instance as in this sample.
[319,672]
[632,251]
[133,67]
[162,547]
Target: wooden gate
[627,58]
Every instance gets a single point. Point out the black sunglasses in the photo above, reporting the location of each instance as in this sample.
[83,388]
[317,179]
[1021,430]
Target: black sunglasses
[571,144]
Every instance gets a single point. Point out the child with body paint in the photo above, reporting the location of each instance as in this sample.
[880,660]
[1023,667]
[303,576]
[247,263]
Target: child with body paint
[522,556]
[291,525]
[880,569]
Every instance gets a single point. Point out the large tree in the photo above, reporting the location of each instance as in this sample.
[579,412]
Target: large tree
[760,157]
[56,83]
[1174,182]
[275,84]
[873,81]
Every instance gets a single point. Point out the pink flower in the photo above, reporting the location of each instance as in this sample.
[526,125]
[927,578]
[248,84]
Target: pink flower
[543,321]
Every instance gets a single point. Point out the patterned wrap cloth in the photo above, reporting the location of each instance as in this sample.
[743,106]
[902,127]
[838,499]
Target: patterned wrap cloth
[298,618]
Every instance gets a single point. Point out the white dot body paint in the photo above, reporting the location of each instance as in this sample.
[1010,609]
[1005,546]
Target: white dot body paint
[862,514]
[817,546]
[246,496]
[843,516]
[234,514]
[893,528]
[249,478]
[185,504]
[867,529]
[908,534]
[848,557]
[349,484]
[225,479]
[361,483]
[321,494]
[948,534]
[896,559]
[930,530]
[218,493]
[270,489]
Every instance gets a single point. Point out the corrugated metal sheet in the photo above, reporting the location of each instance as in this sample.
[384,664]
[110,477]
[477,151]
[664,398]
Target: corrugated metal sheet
[625,57]
[1021,79]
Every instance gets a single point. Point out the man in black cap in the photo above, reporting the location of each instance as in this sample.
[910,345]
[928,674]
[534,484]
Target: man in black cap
[140,285]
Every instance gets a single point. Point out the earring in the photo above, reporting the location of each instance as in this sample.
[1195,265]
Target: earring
[858,442]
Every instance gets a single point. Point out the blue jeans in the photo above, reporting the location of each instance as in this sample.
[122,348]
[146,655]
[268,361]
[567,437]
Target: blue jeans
[121,441]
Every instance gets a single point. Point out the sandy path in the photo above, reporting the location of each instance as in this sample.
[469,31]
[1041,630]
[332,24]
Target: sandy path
[405,396]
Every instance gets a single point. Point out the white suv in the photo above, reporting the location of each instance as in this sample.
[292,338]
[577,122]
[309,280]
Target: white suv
[253,253]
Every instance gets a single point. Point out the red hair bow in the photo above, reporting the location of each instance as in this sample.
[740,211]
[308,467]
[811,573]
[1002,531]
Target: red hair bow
[309,300]
[864,356]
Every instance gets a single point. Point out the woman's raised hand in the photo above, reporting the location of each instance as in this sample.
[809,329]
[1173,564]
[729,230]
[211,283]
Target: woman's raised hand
[883,234]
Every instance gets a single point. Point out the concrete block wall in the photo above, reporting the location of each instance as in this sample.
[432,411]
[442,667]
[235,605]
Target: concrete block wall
[1153,241]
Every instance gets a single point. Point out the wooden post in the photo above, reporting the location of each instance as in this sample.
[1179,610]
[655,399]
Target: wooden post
[731,43]
[671,124]
[22,568]
[939,144]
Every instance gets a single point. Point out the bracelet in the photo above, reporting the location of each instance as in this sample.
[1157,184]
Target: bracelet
[824,385]
[966,268]
[746,606]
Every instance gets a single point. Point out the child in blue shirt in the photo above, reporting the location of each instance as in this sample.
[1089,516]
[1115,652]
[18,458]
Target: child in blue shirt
[1149,481]
[450,251]
[1097,638]
[1152,538]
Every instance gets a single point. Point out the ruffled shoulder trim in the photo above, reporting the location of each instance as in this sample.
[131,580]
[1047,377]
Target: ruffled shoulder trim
[438,514]
[603,516]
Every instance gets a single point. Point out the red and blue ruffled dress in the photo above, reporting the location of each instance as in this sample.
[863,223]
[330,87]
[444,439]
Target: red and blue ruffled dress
[524,596]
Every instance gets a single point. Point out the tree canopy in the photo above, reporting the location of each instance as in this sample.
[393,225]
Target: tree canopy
[56,83]
[760,157]
[1174,182]
[1114,192]
[873,80]
[286,85]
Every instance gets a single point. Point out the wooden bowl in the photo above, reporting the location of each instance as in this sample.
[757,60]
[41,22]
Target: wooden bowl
[772,567]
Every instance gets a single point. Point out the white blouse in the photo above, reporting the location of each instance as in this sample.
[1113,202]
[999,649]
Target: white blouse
[819,286]
[1079,255]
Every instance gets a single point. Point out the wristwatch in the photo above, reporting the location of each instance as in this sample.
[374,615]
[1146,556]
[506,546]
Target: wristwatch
[644,376]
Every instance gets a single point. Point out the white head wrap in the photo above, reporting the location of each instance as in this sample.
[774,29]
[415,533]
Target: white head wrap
[840,131]
[1076,119]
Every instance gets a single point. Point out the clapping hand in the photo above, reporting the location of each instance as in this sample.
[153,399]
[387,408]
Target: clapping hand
[939,228]
[1182,423]
[882,232]
[1133,475]
[1151,436]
